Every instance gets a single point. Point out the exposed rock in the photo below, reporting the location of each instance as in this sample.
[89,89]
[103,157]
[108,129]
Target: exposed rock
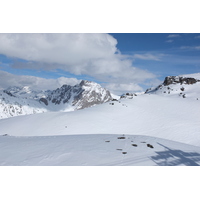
[121,137]
[135,145]
[182,89]
[150,146]
[24,100]
[9,93]
[44,101]
[177,79]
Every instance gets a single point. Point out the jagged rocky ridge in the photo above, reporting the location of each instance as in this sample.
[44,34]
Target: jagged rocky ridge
[177,79]
[16,101]
[182,86]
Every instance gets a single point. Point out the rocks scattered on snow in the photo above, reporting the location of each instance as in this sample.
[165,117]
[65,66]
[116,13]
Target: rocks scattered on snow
[182,89]
[135,145]
[121,137]
[128,96]
[150,146]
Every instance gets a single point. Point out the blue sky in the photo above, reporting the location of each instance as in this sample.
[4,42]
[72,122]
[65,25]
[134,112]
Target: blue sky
[118,61]
[178,54]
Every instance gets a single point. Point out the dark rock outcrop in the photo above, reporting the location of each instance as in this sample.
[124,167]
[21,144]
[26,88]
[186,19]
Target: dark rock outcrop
[177,79]
[44,101]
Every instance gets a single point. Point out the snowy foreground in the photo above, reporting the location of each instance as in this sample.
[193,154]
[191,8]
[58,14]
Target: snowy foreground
[90,136]
[101,150]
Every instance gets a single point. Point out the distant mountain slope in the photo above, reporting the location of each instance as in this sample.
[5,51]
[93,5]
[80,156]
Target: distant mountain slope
[185,86]
[16,101]
[153,115]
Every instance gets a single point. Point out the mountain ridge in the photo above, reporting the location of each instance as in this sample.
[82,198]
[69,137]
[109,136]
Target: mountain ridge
[16,101]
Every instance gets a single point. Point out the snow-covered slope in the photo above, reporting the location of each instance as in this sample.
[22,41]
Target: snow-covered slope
[168,122]
[153,115]
[185,86]
[106,150]
[16,101]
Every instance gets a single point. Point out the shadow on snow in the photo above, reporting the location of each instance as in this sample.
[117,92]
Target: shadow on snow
[174,157]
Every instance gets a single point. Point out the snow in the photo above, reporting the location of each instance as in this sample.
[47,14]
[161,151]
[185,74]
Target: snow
[153,115]
[92,150]
[16,101]
[167,121]
[196,76]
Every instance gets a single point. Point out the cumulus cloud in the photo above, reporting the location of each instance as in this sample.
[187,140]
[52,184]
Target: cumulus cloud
[36,83]
[173,35]
[90,54]
[67,49]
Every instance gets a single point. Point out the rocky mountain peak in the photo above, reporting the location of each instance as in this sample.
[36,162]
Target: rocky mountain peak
[185,86]
[16,101]
[85,82]
[178,79]
[82,95]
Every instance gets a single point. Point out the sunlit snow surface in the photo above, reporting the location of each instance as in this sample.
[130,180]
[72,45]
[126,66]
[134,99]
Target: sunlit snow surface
[167,121]
[101,150]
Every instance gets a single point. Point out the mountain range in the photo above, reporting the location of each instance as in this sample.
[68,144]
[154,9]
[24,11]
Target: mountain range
[157,127]
[16,101]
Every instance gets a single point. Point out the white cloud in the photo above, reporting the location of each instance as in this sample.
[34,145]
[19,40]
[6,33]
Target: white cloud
[36,83]
[173,35]
[95,55]
[191,47]
[120,88]
[169,41]
[67,49]
[147,56]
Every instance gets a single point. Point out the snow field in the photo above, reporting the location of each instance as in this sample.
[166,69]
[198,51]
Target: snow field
[92,150]
[152,115]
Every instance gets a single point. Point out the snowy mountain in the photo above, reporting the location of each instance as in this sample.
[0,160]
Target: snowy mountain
[83,95]
[185,86]
[159,127]
[16,101]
